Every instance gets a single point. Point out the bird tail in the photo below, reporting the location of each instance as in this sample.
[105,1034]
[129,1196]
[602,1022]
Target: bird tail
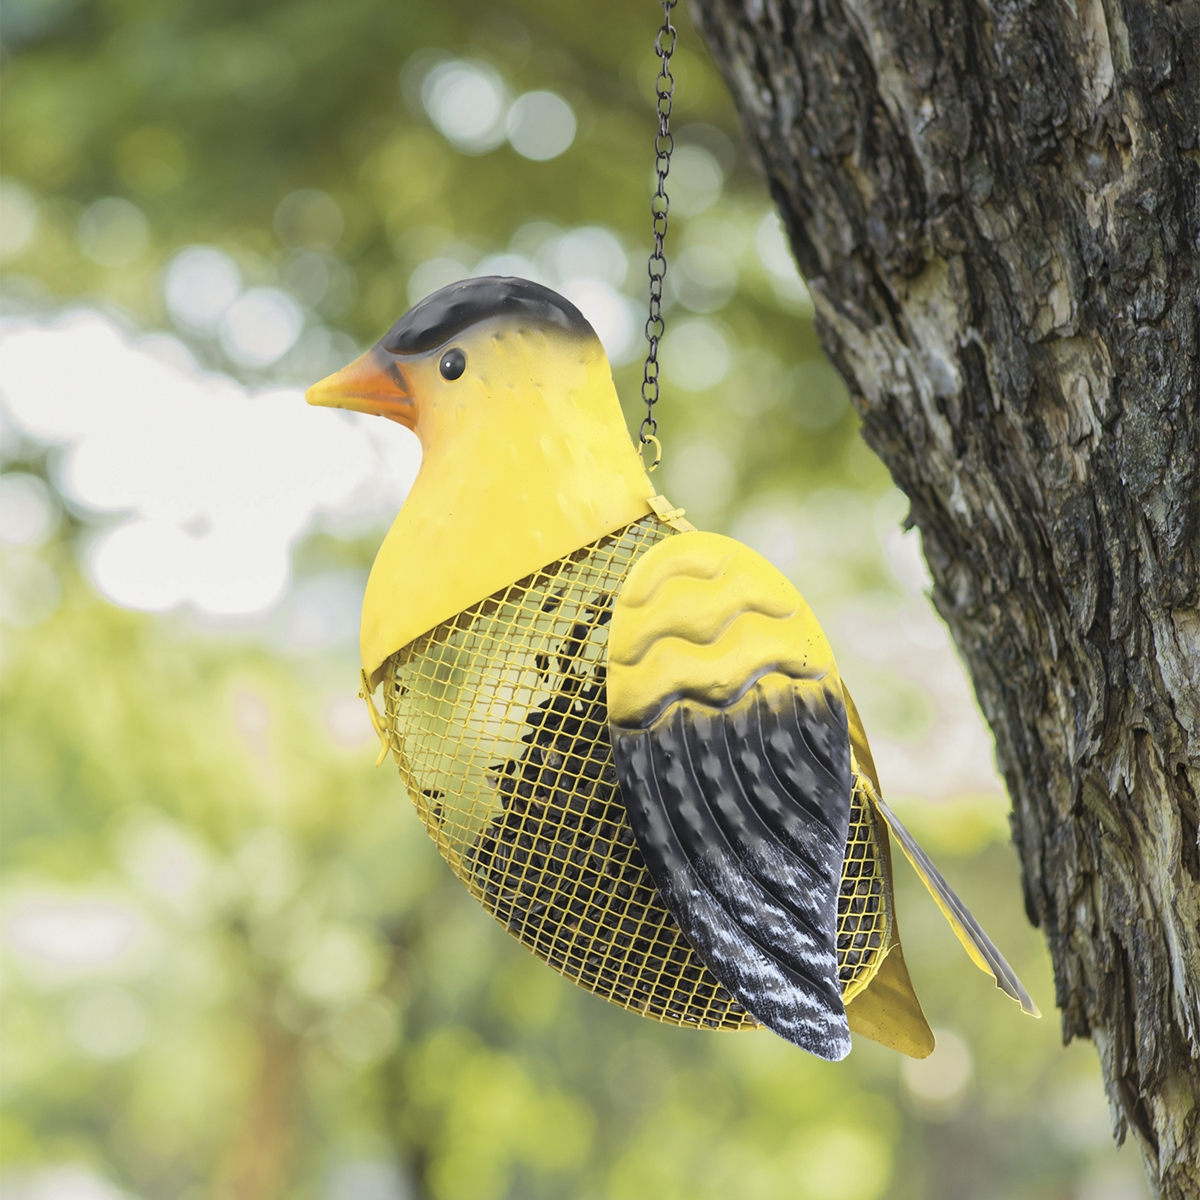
[977,944]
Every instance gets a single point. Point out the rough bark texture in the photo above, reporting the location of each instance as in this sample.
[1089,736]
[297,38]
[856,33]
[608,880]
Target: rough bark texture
[995,206]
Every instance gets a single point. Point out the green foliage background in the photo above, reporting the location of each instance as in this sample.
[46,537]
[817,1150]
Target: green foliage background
[324,1012]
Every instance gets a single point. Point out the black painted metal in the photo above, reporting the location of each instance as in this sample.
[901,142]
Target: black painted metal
[742,815]
[446,313]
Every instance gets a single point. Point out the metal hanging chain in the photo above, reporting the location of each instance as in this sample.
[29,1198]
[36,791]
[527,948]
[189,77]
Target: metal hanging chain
[660,208]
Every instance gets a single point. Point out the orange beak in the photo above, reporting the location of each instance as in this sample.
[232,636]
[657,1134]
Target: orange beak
[371,384]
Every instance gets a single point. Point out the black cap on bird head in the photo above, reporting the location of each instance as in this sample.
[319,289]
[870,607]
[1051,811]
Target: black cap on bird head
[448,311]
[383,381]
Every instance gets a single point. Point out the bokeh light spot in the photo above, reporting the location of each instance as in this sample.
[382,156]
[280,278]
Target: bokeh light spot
[108,1023]
[541,125]
[700,476]
[348,723]
[703,279]
[842,1162]
[260,327]
[199,284]
[75,934]
[18,218]
[336,966]
[433,274]
[68,1182]
[467,103]
[937,1085]
[611,315]
[113,232]
[696,355]
[591,252]
[366,1032]
[29,513]
[775,254]
[309,217]
[366,1179]
[695,181]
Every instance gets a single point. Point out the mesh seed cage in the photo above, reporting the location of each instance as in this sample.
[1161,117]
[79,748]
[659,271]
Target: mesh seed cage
[498,721]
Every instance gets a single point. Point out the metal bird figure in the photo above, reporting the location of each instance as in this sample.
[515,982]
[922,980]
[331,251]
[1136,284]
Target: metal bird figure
[628,738]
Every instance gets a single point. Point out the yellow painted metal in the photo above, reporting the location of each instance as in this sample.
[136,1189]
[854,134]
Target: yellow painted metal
[960,932]
[887,1011]
[526,458]
[704,618]
[668,514]
[983,952]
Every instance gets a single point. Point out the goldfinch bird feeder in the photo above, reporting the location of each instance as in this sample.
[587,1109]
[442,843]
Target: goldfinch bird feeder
[629,739]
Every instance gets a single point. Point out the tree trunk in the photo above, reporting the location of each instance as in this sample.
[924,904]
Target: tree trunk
[995,207]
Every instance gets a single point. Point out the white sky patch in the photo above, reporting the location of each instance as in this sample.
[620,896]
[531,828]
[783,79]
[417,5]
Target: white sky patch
[215,483]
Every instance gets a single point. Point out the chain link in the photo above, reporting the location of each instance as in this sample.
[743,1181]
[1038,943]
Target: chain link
[660,208]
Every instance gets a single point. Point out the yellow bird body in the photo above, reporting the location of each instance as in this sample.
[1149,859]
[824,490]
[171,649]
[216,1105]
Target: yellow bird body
[551,469]
[629,739]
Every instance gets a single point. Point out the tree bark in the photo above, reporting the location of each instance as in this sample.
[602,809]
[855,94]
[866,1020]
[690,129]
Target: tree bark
[995,207]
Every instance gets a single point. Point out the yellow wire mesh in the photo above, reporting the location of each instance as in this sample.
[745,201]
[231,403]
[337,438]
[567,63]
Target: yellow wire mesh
[500,726]
[864,915]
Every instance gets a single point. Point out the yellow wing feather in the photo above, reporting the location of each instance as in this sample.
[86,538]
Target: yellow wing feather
[977,944]
[705,618]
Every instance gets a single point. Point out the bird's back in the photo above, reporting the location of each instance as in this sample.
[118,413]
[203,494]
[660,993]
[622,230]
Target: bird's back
[500,720]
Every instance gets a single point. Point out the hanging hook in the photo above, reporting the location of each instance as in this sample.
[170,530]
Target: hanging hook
[648,439]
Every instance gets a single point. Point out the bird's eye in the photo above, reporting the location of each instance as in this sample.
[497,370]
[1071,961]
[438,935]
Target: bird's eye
[453,364]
